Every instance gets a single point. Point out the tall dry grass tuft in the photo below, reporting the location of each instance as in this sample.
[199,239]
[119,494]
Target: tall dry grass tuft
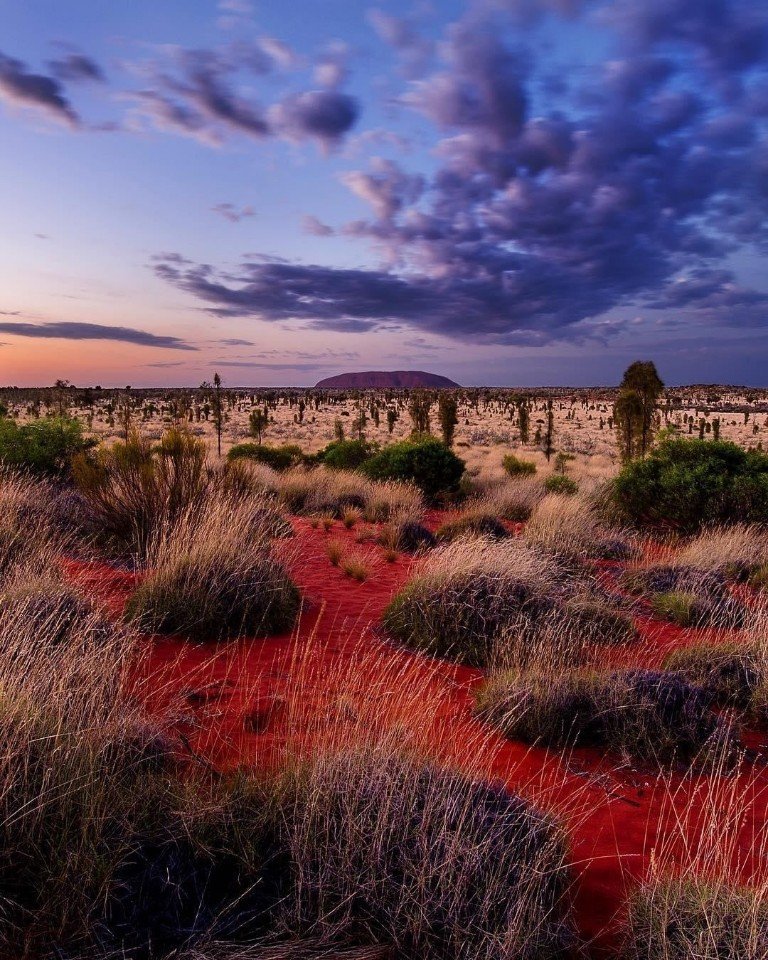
[706,892]
[215,576]
[569,526]
[77,772]
[735,551]
[29,534]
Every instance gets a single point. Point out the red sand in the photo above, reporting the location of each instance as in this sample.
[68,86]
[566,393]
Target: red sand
[235,704]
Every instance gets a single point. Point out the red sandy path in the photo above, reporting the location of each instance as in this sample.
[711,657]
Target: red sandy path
[219,694]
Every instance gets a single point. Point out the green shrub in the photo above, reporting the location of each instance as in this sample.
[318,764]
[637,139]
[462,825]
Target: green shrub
[426,462]
[279,458]
[687,917]
[346,454]
[517,467]
[559,483]
[688,484]
[44,446]
[759,578]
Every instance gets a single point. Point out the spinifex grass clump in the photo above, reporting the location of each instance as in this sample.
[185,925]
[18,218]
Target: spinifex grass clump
[684,917]
[735,552]
[569,526]
[473,522]
[400,851]
[730,674]
[214,577]
[480,602]
[686,595]
[647,715]
[55,609]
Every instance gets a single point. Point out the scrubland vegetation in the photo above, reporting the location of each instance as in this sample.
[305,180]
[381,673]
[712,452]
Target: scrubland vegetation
[541,640]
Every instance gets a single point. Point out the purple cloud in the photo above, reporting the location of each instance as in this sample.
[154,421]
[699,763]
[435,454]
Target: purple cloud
[73,330]
[20,87]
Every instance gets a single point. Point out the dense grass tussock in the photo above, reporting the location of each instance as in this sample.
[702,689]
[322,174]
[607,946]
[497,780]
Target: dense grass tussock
[687,596]
[730,674]
[734,551]
[513,500]
[646,715]
[325,491]
[480,602]
[569,526]
[214,577]
[473,522]
[29,532]
[396,850]
[684,917]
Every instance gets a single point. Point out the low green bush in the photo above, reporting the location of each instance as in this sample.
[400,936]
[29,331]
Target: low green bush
[474,523]
[43,446]
[346,454]
[559,483]
[517,467]
[279,458]
[426,462]
[690,484]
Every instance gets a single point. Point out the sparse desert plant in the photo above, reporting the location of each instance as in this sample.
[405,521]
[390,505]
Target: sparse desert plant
[346,454]
[356,566]
[407,535]
[214,577]
[326,521]
[517,467]
[758,579]
[679,607]
[396,850]
[390,501]
[685,916]
[350,517]
[335,550]
[650,716]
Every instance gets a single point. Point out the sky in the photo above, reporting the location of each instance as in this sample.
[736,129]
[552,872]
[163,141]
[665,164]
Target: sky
[506,192]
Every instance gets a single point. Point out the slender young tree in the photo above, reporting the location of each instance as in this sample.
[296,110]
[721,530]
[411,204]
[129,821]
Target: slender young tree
[548,445]
[418,408]
[447,411]
[257,423]
[523,421]
[215,397]
[635,408]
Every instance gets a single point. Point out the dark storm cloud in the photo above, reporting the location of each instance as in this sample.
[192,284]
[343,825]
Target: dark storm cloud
[73,67]
[536,223]
[20,87]
[321,115]
[66,330]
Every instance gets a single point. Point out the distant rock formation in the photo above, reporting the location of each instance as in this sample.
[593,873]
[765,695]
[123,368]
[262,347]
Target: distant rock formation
[383,380]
